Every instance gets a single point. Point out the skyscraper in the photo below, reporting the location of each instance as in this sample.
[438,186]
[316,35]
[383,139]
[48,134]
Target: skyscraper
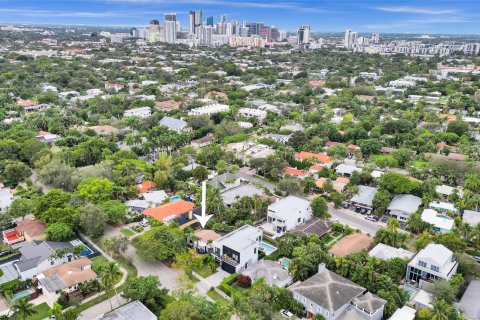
[375,38]
[210,21]
[170,27]
[303,34]
[254,28]
[223,18]
[350,39]
[195,20]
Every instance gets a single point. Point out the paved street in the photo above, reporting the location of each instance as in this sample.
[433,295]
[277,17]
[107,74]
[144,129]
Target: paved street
[102,308]
[354,220]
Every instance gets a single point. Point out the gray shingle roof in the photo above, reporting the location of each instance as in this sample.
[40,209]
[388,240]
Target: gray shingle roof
[328,290]
[405,202]
[133,310]
[172,123]
[365,195]
[230,196]
[35,252]
[369,302]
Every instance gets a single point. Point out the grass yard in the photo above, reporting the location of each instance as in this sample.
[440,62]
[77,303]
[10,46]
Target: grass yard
[205,270]
[217,297]
[99,262]
[43,311]
[420,164]
[327,239]
[128,232]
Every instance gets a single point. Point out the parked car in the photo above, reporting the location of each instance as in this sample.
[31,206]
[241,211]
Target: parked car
[144,223]
[286,314]
[371,218]
[345,204]
[335,220]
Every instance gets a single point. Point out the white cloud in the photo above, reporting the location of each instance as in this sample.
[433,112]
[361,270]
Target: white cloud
[420,10]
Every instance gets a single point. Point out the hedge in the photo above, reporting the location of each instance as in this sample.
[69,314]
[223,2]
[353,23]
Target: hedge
[226,287]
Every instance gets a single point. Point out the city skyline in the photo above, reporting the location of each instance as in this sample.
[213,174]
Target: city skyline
[323,16]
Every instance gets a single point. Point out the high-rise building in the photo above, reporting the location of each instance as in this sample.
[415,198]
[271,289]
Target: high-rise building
[195,20]
[210,21]
[170,17]
[303,34]
[134,33]
[282,35]
[204,35]
[244,31]
[350,39]
[375,38]
[254,28]
[223,18]
[170,27]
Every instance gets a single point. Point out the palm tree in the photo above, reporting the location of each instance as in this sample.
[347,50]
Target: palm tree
[109,274]
[464,230]
[476,235]
[472,182]
[22,309]
[239,307]
[392,224]
[442,311]
[415,223]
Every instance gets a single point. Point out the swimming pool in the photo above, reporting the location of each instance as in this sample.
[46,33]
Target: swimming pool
[285,262]
[441,216]
[21,294]
[175,198]
[267,248]
[86,251]
[409,292]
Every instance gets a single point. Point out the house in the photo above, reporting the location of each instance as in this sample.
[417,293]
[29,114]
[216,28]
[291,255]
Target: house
[469,303]
[445,191]
[260,115]
[444,207]
[47,137]
[145,186]
[332,296]
[143,112]
[287,213]
[294,127]
[132,310]
[433,262]
[346,170]
[174,124]
[203,141]
[338,184]
[176,210]
[154,198]
[403,205]
[137,205]
[272,272]
[104,130]
[168,105]
[350,244]
[232,195]
[384,252]
[6,198]
[36,257]
[66,278]
[441,222]
[315,225]
[31,229]
[203,240]
[404,313]
[279,138]
[238,250]
[320,159]
[225,181]
[364,197]
[471,217]
[209,109]
[294,172]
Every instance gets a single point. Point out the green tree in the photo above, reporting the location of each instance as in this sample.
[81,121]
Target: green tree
[93,220]
[200,173]
[15,172]
[381,201]
[110,275]
[319,207]
[148,290]
[160,243]
[115,210]
[59,232]
[187,261]
[370,146]
[22,309]
[95,190]
[458,127]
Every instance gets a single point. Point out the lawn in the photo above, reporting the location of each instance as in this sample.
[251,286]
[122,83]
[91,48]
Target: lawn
[128,232]
[217,297]
[327,239]
[99,262]
[420,164]
[43,311]
[205,270]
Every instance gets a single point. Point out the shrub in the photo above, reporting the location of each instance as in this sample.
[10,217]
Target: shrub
[226,287]
[59,232]
[338,227]
[244,281]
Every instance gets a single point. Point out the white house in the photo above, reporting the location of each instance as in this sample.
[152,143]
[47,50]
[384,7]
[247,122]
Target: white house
[210,109]
[36,257]
[334,297]
[143,112]
[238,250]
[433,262]
[65,277]
[441,222]
[403,205]
[260,115]
[287,213]
[174,124]
[384,252]
[443,206]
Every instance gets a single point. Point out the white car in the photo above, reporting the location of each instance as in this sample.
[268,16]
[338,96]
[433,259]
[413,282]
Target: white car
[144,223]
[286,314]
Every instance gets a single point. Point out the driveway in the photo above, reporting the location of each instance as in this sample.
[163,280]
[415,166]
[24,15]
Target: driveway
[9,272]
[354,220]
[102,308]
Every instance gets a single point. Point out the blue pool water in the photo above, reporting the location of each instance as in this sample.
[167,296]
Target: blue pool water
[21,294]
[441,216]
[409,292]
[175,198]
[86,252]
[268,249]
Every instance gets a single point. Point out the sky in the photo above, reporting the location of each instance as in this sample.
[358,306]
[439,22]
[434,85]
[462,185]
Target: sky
[387,16]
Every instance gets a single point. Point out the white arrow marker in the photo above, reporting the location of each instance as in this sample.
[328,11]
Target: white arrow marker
[203,219]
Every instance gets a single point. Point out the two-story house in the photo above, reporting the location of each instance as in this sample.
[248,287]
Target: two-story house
[334,297]
[287,213]
[433,262]
[238,250]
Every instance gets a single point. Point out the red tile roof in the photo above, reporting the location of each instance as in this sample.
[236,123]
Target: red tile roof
[295,172]
[32,228]
[320,157]
[145,186]
[170,209]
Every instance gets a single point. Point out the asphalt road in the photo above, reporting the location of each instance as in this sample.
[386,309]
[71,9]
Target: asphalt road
[354,220]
